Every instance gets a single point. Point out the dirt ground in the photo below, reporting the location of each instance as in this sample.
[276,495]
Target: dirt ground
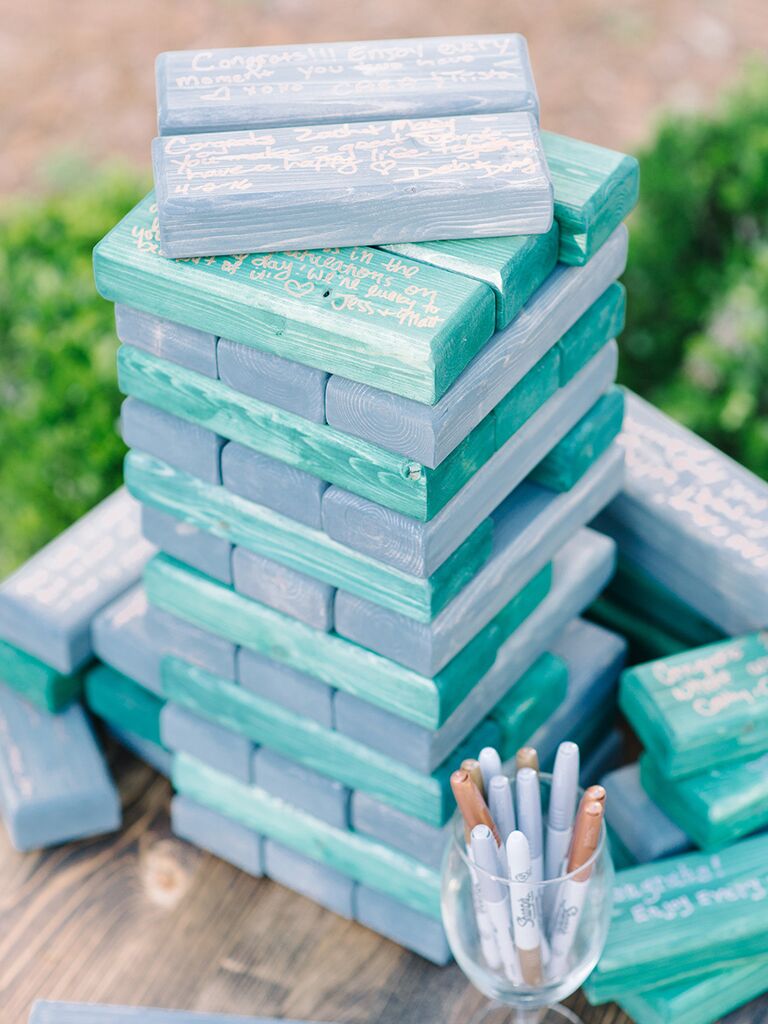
[78,74]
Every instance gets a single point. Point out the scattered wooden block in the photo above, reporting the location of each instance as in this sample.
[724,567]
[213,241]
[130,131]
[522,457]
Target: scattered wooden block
[35,681]
[288,688]
[168,340]
[183,732]
[124,703]
[187,446]
[274,484]
[272,379]
[402,924]
[267,86]
[122,639]
[641,825]
[283,589]
[54,783]
[302,787]
[47,605]
[220,836]
[187,542]
[321,884]
[412,335]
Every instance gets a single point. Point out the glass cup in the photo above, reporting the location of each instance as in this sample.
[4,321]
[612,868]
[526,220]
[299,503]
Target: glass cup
[556,899]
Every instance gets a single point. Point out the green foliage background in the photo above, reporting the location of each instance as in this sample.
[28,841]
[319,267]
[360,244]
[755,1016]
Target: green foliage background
[696,341]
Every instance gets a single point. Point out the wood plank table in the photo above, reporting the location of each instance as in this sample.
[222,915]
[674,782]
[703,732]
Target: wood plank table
[143,918]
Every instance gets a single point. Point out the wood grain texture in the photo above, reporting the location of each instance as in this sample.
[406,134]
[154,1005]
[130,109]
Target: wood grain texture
[267,481]
[35,681]
[536,387]
[606,317]
[306,599]
[272,379]
[187,542]
[429,433]
[197,350]
[327,83]
[255,527]
[363,183]
[413,335]
[640,824]
[187,446]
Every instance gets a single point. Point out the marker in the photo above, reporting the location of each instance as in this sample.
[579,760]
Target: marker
[525,911]
[486,857]
[472,765]
[529,818]
[474,812]
[502,806]
[490,765]
[562,808]
[572,893]
[527,757]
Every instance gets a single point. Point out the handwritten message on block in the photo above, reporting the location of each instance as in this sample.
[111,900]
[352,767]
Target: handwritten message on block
[324,83]
[351,184]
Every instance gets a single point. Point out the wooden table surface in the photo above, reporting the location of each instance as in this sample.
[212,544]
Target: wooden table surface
[145,919]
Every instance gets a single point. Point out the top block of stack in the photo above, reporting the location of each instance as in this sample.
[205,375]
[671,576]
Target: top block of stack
[350,144]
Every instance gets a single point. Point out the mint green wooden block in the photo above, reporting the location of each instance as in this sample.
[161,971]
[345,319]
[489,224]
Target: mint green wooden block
[284,540]
[684,916]
[330,658]
[718,806]
[703,707]
[583,444]
[539,384]
[595,189]
[513,266]
[530,702]
[35,681]
[365,314]
[603,320]
[123,703]
[315,448]
[701,1000]
[366,860]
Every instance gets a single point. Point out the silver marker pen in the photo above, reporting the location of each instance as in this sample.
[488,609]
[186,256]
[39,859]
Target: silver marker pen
[486,858]
[562,808]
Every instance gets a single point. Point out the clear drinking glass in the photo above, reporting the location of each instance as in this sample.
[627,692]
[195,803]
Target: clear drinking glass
[520,1002]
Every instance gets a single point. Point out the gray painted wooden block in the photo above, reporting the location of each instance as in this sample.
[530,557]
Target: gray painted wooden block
[185,445]
[287,590]
[90,1013]
[642,827]
[183,345]
[307,877]
[198,548]
[414,546]
[153,754]
[183,731]
[429,433]
[122,639]
[326,83]
[693,519]
[529,528]
[301,787]
[285,686]
[54,783]
[220,836]
[425,843]
[46,606]
[174,636]
[361,183]
[274,484]
[272,379]
[403,925]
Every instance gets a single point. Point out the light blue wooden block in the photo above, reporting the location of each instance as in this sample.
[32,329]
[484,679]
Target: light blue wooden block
[285,686]
[529,528]
[425,843]
[595,657]
[364,183]
[417,547]
[403,925]
[153,754]
[185,445]
[122,639]
[601,757]
[46,606]
[693,519]
[183,731]
[307,877]
[642,827]
[580,571]
[320,796]
[198,548]
[168,340]
[174,636]
[326,83]
[54,783]
[90,1013]
[272,379]
[285,589]
[274,484]
[428,434]
[217,834]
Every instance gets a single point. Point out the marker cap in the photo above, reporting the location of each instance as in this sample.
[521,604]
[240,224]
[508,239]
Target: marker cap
[565,785]
[529,808]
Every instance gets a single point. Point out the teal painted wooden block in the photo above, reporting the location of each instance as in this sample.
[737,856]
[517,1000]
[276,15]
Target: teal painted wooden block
[363,859]
[583,444]
[716,807]
[525,398]
[530,702]
[365,314]
[323,451]
[683,916]
[595,189]
[268,533]
[604,320]
[35,681]
[124,703]
[703,707]
[514,266]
